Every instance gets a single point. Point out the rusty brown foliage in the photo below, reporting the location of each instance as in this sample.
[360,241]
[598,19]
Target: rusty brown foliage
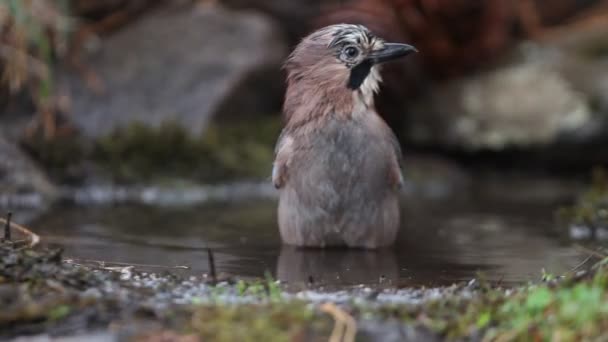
[34,35]
[457,36]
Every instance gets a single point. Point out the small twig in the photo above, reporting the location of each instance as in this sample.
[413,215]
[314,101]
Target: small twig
[7,227]
[211,261]
[500,280]
[573,269]
[345,328]
[591,252]
[34,238]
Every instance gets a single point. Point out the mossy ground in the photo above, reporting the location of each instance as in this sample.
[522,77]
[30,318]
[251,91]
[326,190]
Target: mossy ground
[567,310]
[237,150]
[41,293]
[142,154]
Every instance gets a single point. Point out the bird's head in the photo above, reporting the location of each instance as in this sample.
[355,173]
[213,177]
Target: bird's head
[336,61]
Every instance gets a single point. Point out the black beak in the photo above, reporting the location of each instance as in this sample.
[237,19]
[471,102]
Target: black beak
[390,51]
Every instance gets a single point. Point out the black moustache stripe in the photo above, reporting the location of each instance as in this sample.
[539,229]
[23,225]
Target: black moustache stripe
[358,74]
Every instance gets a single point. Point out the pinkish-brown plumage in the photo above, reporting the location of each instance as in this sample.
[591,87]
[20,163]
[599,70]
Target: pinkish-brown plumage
[337,163]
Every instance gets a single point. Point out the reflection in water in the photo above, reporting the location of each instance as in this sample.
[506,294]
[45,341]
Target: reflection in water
[441,242]
[337,266]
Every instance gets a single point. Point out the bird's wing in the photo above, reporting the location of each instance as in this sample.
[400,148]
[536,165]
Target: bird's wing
[396,149]
[283,151]
[397,153]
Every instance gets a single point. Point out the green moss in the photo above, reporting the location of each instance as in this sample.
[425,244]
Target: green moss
[267,288]
[572,309]
[573,312]
[140,153]
[238,150]
[264,322]
[59,312]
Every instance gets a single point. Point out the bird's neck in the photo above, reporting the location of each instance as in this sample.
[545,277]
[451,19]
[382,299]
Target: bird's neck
[307,101]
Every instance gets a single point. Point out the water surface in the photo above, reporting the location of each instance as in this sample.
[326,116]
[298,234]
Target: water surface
[442,241]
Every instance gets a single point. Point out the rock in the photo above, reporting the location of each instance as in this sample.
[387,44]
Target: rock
[294,16]
[183,65]
[525,104]
[550,98]
[584,63]
[22,184]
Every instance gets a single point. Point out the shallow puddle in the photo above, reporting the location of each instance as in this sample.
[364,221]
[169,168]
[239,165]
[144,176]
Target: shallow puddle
[441,242]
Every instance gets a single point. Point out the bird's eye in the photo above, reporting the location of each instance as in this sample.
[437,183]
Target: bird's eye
[351,52]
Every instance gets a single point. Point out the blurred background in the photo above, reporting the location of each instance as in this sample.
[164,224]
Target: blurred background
[177,103]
